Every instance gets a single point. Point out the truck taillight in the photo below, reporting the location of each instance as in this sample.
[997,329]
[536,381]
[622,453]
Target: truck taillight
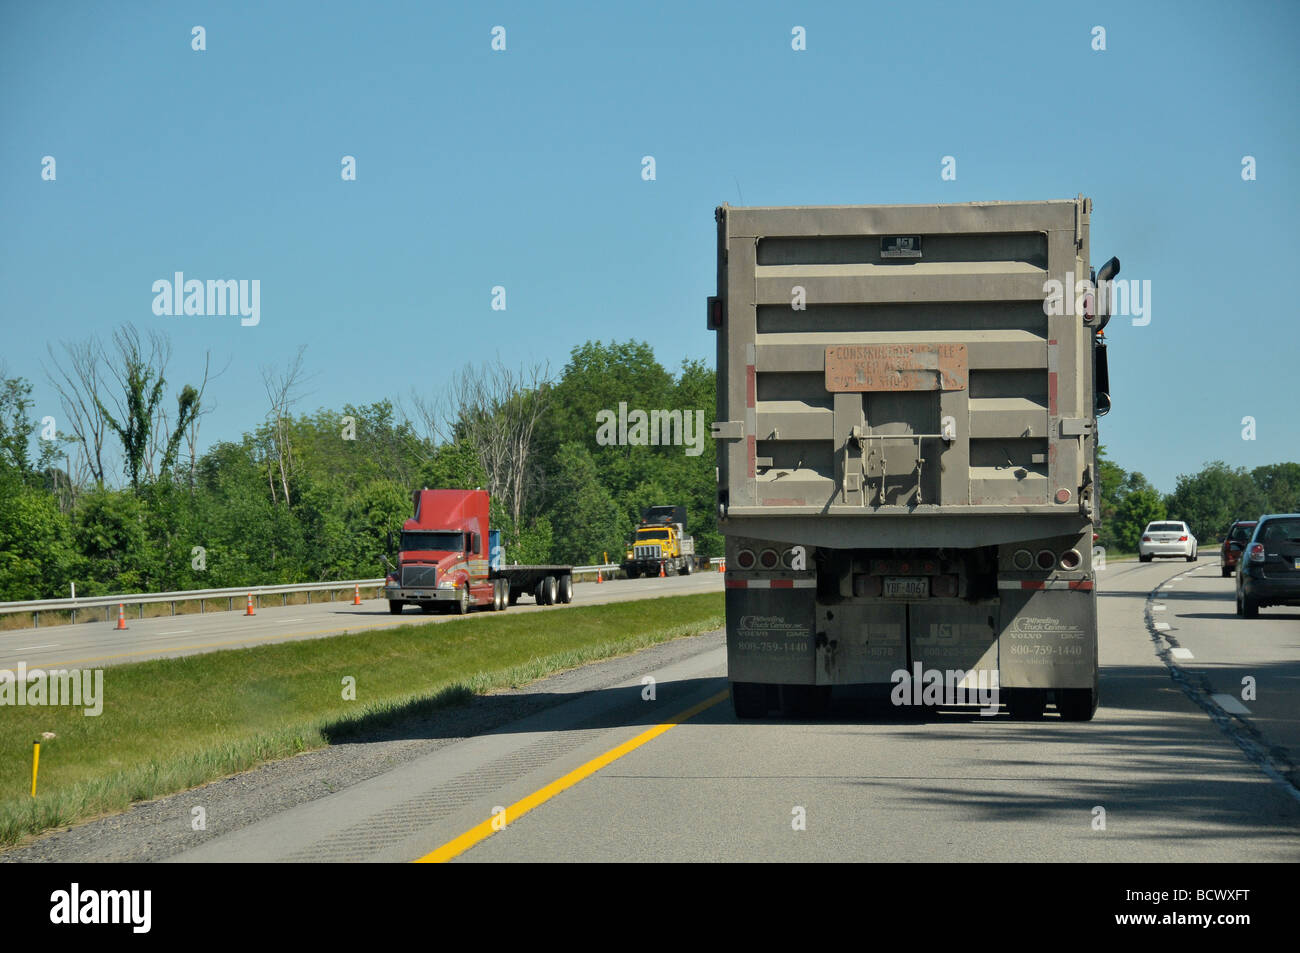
[1046,559]
[768,559]
[1070,559]
[1022,559]
[1256,552]
[745,559]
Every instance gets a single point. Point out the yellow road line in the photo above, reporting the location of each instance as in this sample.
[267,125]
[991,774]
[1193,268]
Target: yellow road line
[265,640]
[489,827]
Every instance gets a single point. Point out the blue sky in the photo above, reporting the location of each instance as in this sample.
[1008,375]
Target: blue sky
[522,168]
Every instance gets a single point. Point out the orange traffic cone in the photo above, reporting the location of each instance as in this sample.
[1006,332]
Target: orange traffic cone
[249,610]
[722,566]
[598,579]
[662,574]
[356,596]
[121,616]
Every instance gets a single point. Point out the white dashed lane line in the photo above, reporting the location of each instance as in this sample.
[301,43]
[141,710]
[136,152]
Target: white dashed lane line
[1181,653]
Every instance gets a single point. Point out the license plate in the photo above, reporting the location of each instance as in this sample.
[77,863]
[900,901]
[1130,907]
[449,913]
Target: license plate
[907,587]
[420,595]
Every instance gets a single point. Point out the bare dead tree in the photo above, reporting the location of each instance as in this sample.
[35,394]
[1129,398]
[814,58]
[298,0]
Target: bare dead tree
[283,390]
[496,409]
[201,410]
[78,379]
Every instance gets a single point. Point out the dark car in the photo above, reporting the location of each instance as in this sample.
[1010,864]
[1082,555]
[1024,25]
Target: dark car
[1239,534]
[1268,571]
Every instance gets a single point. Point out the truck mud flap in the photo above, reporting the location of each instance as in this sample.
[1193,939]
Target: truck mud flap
[770,635]
[1048,638]
[955,638]
[860,644]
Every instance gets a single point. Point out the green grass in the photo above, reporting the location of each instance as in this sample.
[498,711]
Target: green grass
[171,724]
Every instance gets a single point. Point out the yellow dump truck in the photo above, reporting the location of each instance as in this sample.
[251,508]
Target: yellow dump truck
[660,544]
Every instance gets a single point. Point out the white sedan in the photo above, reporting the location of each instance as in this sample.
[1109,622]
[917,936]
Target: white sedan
[1167,538]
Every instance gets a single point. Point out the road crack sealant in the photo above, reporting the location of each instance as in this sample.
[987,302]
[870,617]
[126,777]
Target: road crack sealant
[1274,760]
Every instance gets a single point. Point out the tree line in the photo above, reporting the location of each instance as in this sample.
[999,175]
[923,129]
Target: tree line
[121,498]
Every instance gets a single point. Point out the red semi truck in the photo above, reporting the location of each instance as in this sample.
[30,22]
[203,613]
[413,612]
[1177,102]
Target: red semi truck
[449,558]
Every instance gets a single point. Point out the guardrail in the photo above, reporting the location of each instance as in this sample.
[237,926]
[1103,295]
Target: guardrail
[37,606]
[73,606]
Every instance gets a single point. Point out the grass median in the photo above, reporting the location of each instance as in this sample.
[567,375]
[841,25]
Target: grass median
[170,724]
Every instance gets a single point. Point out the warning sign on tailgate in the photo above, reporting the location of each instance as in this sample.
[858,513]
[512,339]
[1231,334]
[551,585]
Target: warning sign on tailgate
[885,367]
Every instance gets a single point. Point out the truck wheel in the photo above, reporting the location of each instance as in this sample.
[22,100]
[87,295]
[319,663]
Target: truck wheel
[395,607]
[1076,704]
[565,592]
[545,593]
[507,600]
[1025,704]
[462,604]
[749,699]
[686,568]
[496,595]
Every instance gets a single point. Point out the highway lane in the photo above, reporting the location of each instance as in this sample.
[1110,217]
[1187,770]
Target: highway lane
[100,644]
[1172,779]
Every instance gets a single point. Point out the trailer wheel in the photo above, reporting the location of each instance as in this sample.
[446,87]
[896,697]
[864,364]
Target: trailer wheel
[546,591]
[1076,704]
[1025,704]
[749,699]
[394,606]
[565,589]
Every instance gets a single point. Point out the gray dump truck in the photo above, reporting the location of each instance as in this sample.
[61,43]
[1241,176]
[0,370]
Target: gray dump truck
[906,438]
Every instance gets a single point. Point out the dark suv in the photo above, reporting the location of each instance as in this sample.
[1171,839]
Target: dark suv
[1268,572]
[1236,540]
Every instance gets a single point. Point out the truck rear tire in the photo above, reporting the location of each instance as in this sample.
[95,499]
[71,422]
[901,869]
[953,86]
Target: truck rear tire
[686,567]
[546,591]
[1076,704]
[394,607]
[749,699]
[565,592]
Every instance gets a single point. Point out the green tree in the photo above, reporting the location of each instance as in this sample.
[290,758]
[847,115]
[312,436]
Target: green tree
[589,523]
[1209,501]
[1141,504]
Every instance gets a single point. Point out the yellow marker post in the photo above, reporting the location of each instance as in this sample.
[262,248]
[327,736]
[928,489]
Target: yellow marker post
[36,761]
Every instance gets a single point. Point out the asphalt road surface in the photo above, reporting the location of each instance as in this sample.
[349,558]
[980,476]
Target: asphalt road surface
[101,644]
[1176,766]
